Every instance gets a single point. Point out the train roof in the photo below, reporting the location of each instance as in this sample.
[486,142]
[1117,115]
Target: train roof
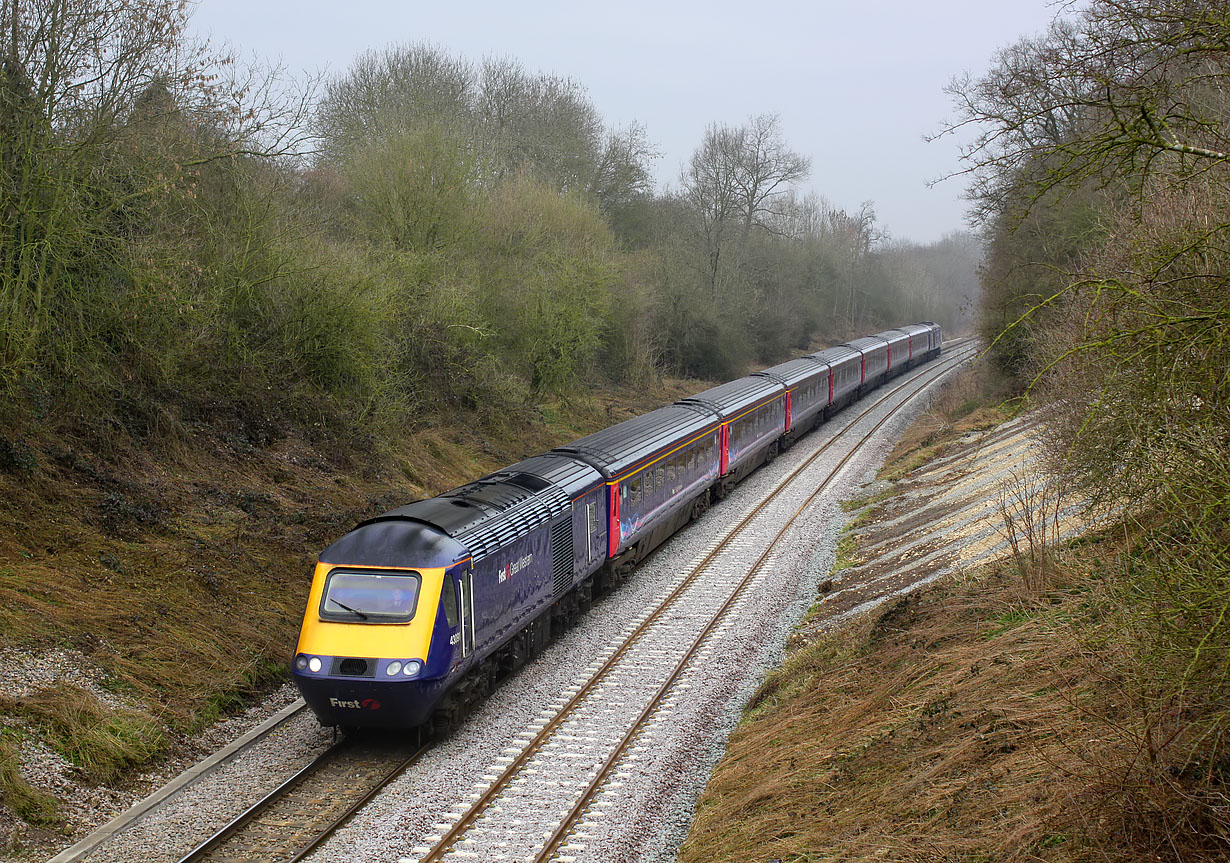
[478,518]
[835,356]
[613,450]
[915,329]
[395,541]
[793,372]
[565,470]
[732,397]
[893,336]
[866,344]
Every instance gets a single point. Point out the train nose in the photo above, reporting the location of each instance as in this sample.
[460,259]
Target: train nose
[384,702]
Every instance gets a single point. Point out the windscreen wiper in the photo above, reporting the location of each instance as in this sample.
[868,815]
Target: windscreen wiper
[354,611]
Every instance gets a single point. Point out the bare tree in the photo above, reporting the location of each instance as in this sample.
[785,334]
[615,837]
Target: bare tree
[738,181]
[388,93]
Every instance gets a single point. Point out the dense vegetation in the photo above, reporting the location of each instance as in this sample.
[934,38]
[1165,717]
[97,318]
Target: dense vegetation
[186,238]
[1102,172]
[1072,701]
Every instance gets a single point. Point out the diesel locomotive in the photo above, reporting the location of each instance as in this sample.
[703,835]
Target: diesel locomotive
[414,614]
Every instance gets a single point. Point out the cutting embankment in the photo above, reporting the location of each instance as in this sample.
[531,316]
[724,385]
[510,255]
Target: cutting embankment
[994,707]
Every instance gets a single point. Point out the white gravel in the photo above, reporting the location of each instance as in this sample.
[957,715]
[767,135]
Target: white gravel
[86,807]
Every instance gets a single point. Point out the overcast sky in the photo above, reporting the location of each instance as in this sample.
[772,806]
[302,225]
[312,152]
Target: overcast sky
[856,83]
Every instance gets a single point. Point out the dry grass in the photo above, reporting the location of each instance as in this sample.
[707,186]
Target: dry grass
[1033,711]
[101,741]
[929,732]
[979,719]
[30,804]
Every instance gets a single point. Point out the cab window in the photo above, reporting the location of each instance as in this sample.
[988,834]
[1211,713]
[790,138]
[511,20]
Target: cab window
[369,597]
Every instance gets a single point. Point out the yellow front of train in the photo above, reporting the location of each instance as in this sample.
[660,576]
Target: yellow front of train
[377,646]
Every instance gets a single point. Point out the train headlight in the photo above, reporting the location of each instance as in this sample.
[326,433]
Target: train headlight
[393,668]
[314,664]
[413,667]
[301,662]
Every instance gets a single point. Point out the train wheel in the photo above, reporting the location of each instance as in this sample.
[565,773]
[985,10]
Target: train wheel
[442,722]
[700,506]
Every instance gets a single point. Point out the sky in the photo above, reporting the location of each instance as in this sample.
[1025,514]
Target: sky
[856,85]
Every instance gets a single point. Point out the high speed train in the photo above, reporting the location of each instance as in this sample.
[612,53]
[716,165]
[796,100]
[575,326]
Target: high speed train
[413,615]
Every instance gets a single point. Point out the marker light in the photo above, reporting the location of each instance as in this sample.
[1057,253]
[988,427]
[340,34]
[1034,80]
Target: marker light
[393,668]
[413,666]
[300,662]
[314,664]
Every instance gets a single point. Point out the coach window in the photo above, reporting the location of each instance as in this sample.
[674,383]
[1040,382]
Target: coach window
[670,471]
[648,484]
[634,493]
[659,478]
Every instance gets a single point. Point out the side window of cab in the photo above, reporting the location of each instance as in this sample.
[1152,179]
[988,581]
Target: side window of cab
[448,598]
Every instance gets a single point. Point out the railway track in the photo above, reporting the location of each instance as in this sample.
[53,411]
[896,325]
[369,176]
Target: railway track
[305,810]
[579,744]
[576,748]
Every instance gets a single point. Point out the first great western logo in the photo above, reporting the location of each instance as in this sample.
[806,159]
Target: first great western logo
[514,566]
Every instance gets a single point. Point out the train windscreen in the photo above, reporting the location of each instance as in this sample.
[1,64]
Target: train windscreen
[370,597]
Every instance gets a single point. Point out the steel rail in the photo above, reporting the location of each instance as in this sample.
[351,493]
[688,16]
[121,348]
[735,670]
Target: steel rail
[319,839]
[621,748]
[236,825]
[335,752]
[160,797]
[450,838]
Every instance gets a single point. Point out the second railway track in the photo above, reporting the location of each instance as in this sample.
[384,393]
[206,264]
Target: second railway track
[297,816]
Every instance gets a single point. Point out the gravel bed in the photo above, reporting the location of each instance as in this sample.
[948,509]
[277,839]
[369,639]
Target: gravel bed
[172,830]
[647,818]
[87,807]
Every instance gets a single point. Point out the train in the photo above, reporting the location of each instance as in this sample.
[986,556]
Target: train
[413,615]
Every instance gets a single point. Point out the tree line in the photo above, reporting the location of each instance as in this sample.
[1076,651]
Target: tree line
[186,236]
